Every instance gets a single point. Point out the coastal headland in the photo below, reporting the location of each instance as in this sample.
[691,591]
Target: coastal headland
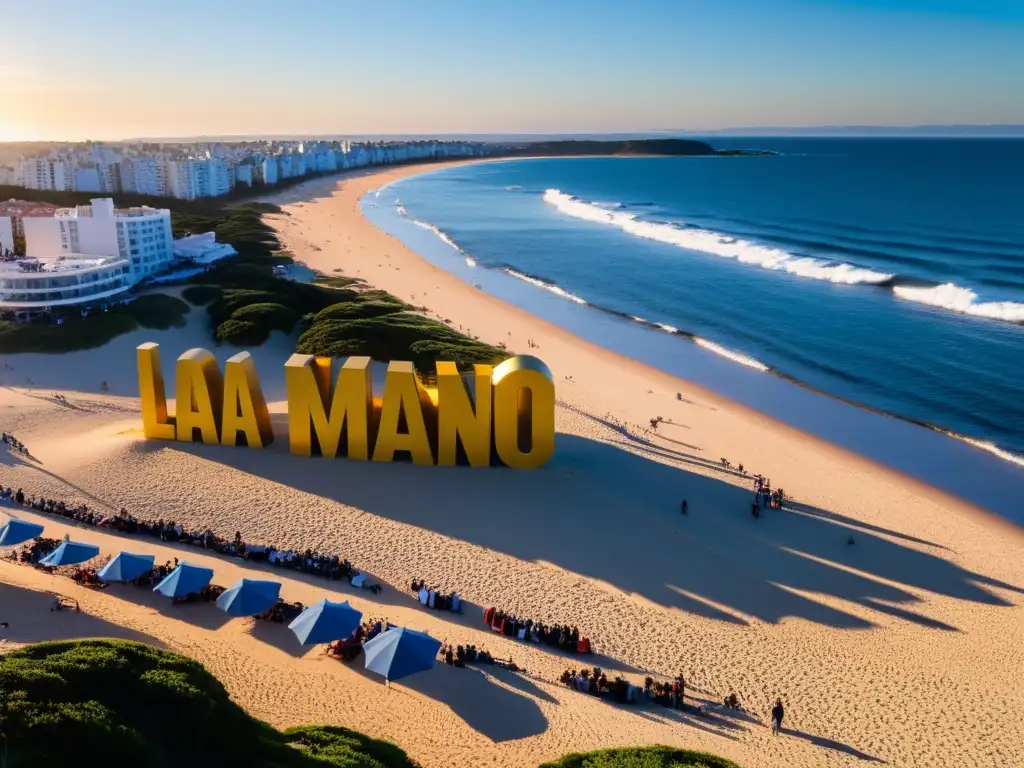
[885,613]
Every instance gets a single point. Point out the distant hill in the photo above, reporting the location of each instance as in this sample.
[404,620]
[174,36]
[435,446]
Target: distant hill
[949,131]
[631,147]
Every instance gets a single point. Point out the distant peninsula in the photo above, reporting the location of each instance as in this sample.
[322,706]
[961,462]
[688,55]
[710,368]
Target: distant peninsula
[625,148]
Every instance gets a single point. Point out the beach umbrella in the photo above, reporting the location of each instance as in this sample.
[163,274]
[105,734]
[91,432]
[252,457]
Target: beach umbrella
[184,580]
[325,622]
[126,567]
[18,531]
[70,553]
[249,597]
[400,652]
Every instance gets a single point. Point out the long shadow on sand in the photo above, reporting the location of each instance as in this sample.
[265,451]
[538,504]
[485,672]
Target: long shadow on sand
[28,619]
[490,709]
[613,515]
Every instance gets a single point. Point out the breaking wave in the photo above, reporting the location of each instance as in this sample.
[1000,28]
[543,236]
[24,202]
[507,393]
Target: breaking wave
[552,287]
[440,233]
[736,357]
[964,300]
[715,243]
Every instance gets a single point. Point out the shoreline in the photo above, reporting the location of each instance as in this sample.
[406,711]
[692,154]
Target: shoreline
[999,518]
[857,639]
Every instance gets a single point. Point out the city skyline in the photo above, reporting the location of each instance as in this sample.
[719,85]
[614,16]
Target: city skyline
[322,69]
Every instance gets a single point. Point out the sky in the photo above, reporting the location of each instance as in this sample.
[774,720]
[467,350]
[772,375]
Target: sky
[72,70]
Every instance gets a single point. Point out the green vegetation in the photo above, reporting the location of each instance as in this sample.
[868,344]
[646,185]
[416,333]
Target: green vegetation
[155,310]
[108,702]
[246,301]
[337,315]
[641,757]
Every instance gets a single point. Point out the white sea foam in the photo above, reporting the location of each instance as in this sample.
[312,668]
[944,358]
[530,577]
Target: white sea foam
[950,296]
[444,238]
[992,448]
[716,243]
[470,262]
[736,357]
[667,328]
[546,286]
[637,318]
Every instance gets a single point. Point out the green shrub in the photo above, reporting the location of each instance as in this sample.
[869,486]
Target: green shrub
[106,702]
[274,317]
[397,336]
[337,746]
[201,295]
[73,334]
[242,333]
[641,757]
[232,300]
[355,310]
[157,310]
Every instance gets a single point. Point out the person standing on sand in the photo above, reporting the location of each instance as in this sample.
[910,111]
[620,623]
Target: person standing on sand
[777,713]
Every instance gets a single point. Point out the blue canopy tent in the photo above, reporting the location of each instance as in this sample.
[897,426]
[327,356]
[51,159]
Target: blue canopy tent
[400,652]
[126,567]
[325,622]
[19,531]
[184,580]
[249,597]
[70,553]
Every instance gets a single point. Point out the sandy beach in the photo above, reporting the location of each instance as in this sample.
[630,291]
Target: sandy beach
[906,647]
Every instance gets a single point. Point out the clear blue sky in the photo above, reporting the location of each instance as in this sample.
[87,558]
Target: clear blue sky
[118,68]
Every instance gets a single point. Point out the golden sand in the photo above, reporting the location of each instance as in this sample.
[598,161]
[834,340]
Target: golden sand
[906,647]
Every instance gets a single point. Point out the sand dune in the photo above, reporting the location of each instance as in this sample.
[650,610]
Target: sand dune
[905,647]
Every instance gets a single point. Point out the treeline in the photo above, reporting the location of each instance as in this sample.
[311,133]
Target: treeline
[626,147]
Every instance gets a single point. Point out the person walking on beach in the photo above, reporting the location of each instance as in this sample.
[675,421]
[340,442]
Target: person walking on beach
[777,713]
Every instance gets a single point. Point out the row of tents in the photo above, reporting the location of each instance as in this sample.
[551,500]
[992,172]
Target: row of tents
[395,653]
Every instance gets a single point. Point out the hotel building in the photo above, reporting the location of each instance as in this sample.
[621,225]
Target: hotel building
[86,254]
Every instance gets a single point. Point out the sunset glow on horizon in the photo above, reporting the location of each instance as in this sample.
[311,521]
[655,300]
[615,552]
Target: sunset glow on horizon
[488,69]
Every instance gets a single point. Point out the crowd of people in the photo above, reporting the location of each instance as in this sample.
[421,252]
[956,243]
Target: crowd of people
[14,443]
[564,637]
[350,648]
[559,636]
[596,683]
[765,497]
[461,655]
[431,597]
[309,561]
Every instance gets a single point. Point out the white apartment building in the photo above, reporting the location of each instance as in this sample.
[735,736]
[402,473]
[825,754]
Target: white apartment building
[6,234]
[45,173]
[141,236]
[143,175]
[96,177]
[267,170]
[244,174]
[189,179]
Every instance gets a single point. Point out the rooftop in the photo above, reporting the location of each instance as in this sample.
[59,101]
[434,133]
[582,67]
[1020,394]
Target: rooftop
[30,266]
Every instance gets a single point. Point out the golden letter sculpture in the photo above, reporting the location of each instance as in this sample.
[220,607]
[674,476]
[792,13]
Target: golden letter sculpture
[199,397]
[524,412]
[152,397]
[404,396]
[315,426]
[459,419]
[245,409]
[504,414]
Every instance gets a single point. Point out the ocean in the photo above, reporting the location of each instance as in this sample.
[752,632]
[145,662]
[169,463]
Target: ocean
[888,273]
